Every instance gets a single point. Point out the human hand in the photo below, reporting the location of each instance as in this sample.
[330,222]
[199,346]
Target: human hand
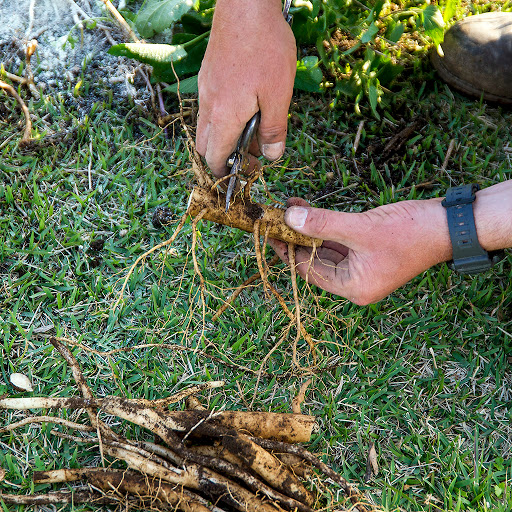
[249,65]
[366,256]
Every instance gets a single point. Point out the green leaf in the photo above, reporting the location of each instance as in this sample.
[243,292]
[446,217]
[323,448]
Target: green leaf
[157,55]
[347,87]
[396,33]
[369,34]
[373,96]
[449,9]
[158,15]
[433,23]
[186,66]
[187,86]
[309,76]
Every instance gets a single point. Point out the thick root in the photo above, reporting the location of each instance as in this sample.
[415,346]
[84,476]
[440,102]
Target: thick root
[268,467]
[243,215]
[151,490]
[290,428]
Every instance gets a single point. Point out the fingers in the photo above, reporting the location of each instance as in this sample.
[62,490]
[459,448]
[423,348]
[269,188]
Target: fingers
[331,276]
[223,134]
[274,107]
[349,229]
[296,201]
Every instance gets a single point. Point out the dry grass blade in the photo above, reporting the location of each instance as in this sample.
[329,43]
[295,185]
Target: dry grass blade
[372,466]
[241,288]
[145,255]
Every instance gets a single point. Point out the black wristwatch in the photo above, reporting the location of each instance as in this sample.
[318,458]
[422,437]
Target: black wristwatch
[468,255]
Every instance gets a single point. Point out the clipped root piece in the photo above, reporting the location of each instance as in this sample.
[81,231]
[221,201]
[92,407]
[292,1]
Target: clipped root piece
[147,489]
[47,419]
[351,491]
[267,466]
[242,215]
[200,479]
[59,497]
[290,428]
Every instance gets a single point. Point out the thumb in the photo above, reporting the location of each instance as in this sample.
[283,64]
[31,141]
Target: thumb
[273,124]
[346,228]
[272,136]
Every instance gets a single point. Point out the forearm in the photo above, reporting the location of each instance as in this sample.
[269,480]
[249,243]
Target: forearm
[493,216]
[493,220]
[246,11]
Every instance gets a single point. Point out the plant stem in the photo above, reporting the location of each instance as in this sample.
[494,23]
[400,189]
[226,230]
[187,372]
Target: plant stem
[204,35]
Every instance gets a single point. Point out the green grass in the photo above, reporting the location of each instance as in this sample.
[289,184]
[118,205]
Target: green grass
[425,374]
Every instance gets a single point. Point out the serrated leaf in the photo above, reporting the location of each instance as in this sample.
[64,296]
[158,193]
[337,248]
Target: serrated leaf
[158,15]
[187,86]
[153,54]
[309,76]
[433,23]
[369,34]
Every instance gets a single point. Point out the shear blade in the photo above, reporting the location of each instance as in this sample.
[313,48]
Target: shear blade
[231,188]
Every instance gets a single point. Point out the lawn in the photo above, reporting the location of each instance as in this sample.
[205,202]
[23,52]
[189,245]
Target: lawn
[424,374]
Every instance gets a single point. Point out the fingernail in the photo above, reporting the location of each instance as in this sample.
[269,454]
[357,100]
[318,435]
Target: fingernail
[272,151]
[296,217]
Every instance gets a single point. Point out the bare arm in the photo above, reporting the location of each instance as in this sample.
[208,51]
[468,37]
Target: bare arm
[249,65]
[368,255]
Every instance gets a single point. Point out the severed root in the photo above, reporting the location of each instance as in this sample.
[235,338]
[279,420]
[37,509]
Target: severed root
[301,452]
[149,490]
[268,467]
[205,462]
[243,215]
[28,123]
[291,428]
[47,419]
[53,498]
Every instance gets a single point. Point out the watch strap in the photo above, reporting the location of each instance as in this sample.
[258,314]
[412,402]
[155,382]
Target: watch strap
[468,255]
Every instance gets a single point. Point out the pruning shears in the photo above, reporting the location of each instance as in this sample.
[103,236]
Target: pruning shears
[239,159]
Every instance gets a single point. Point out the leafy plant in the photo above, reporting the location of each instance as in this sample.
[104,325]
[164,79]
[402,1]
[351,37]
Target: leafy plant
[349,48]
[357,43]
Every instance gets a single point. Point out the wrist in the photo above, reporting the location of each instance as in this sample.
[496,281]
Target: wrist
[246,10]
[438,232]
[492,210]
[493,216]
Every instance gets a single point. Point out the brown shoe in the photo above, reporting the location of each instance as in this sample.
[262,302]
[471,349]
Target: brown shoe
[478,56]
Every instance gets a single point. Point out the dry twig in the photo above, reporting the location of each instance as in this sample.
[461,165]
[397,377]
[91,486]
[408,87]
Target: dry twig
[28,123]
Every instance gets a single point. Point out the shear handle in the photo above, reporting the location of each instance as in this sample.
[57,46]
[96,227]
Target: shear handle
[248,134]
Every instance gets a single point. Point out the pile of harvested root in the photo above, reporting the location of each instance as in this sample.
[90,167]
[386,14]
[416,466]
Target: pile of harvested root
[205,460]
